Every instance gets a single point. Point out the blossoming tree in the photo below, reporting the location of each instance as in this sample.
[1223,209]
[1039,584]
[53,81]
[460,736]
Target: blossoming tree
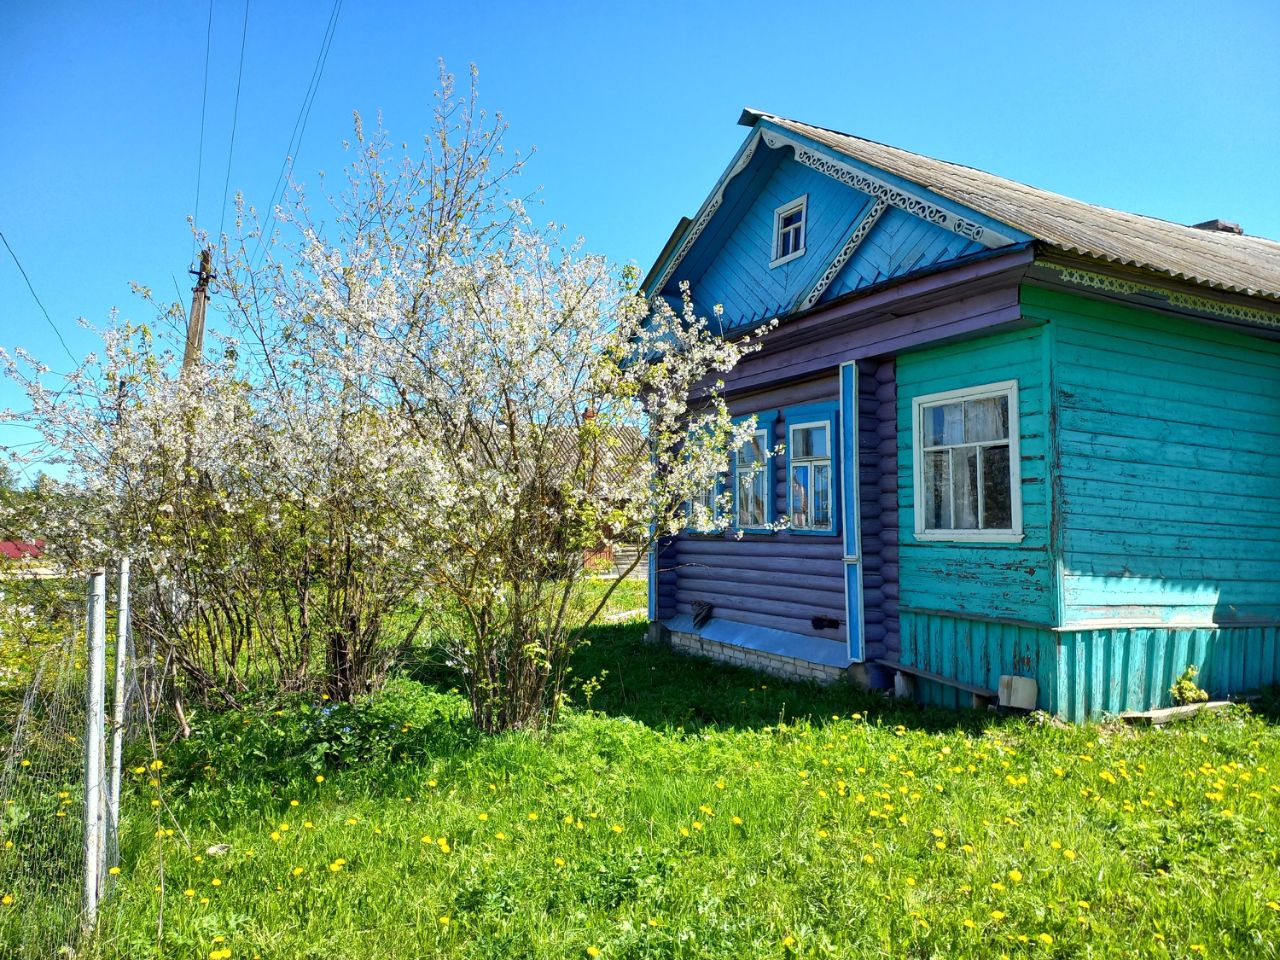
[421,410]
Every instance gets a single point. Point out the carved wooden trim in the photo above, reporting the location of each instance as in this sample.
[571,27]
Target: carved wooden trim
[859,234]
[892,195]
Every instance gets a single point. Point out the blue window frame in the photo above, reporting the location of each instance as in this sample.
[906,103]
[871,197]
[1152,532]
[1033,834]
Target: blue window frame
[753,477]
[813,469]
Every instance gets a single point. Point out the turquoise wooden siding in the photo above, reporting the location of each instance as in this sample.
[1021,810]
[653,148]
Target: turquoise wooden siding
[1168,456]
[1083,674]
[739,276]
[898,244]
[976,652]
[998,580]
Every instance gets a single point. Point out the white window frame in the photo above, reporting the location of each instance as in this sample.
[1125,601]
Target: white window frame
[1005,388]
[829,459]
[801,204]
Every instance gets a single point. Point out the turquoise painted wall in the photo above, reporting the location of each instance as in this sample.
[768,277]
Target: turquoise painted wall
[1168,454]
[739,276]
[996,580]
[1081,674]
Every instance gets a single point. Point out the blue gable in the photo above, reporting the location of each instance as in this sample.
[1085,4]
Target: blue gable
[864,226]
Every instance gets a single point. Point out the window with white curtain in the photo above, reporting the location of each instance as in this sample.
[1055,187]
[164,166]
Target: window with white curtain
[967,477]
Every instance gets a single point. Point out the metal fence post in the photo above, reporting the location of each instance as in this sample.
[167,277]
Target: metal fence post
[93,743]
[119,704]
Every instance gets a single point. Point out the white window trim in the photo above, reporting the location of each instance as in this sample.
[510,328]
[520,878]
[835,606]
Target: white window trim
[1015,533]
[801,204]
[792,460]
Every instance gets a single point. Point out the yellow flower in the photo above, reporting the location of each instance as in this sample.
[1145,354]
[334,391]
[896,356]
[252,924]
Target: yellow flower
[293,803]
[275,835]
[337,865]
[997,914]
[593,951]
[319,778]
[25,762]
[444,921]
[697,825]
[114,871]
[911,881]
[937,833]
[868,858]
[484,817]
[500,835]
[1069,854]
[1197,948]
[427,838]
[969,923]
[156,764]
[215,882]
[7,899]
[297,871]
[788,941]
[1015,876]
[940,844]
[616,828]
[705,809]
[559,861]
[1273,905]
[736,821]
[532,816]
[1045,938]
[188,892]
[652,922]
[684,831]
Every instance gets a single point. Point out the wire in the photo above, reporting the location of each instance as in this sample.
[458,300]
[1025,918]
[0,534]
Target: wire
[235,117]
[204,104]
[53,325]
[300,124]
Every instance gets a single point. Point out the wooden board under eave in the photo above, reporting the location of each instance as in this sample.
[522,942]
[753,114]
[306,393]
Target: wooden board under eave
[1168,445]
[1009,581]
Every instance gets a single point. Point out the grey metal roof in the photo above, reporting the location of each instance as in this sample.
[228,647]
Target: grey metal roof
[1224,261]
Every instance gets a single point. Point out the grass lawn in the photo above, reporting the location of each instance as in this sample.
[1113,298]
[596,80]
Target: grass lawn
[691,810]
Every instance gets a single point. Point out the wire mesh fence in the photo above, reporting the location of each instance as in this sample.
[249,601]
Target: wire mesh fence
[59,745]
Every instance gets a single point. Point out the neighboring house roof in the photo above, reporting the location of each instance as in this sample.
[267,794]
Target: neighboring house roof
[1224,261]
[21,550]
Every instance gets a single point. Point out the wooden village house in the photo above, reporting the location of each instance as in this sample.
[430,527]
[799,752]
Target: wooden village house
[1025,437]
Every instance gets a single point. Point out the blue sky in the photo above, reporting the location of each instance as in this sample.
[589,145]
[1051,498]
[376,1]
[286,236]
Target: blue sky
[1167,108]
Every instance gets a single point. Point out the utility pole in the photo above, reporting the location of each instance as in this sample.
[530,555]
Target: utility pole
[199,300]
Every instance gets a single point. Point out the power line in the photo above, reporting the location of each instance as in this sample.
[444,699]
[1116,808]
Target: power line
[235,117]
[300,123]
[52,325]
[204,104]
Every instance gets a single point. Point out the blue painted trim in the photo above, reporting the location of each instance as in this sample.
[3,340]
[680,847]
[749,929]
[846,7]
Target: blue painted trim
[853,603]
[764,639]
[810,413]
[767,421]
[654,546]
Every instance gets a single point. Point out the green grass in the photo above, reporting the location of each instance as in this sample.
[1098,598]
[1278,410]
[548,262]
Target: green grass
[692,810]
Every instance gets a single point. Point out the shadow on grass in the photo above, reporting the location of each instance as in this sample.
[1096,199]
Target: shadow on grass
[617,673]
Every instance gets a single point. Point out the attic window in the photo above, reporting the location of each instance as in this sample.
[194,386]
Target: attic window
[789,230]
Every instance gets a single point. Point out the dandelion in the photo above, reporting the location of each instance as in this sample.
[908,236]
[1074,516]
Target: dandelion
[1045,938]
[319,778]
[444,921]
[593,951]
[559,861]
[997,914]
[969,923]
[736,821]
[297,871]
[6,900]
[307,824]
[1015,876]
[275,835]
[532,816]
[337,865]
[215,882]
[188,893]
[1273,905]
[1069,854]
[616,828]
[483,817]
[293,803]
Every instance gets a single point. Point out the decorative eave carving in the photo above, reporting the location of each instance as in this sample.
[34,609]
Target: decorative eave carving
[894,196]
